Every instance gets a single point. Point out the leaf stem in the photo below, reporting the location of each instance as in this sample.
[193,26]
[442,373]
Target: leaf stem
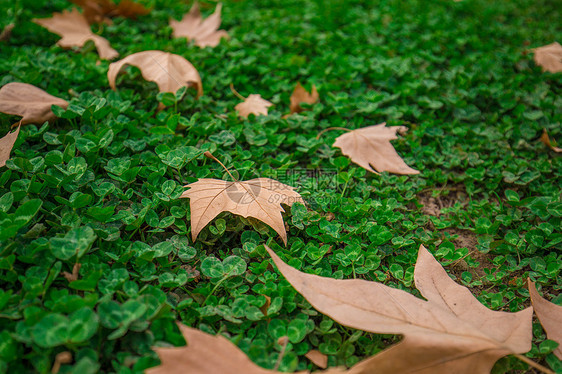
[282,353]
[332,128]
[236,93]
[210,155]
[533,364]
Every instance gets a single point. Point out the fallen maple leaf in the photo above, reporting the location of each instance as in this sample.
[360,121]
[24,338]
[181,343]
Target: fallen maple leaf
[75,32]
[203,32]
[300,95]
[550,316]
[6,145]
[370,148]
[549,57]
[546,140]
[451,332]
[208,354]
[97,11]
[28,101]
[260,198]
[253,104]
[167,70]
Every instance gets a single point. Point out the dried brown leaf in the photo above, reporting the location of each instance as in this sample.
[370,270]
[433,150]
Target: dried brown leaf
[6,32]
[75,32]
[319,359]
[549,57]
[97,11]
[550,316]
[546,140]
[205,354]
[451,332]
[167,70]
[370,148]
[254,104]
[203,32]
[301,95]
[6,145]
[260,198]
[28,101]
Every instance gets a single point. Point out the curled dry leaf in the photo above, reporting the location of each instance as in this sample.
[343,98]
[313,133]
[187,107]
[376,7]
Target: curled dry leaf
[75,32]
[6,32]
[254,104]
[370,148]
[260,198]
[319,359]
[550,316]
[546,140]
[208,354]
[6,145]
[202,32]
[97,11]
[451,332]
[28,101]
[549,57]
[300,95]
[167,70]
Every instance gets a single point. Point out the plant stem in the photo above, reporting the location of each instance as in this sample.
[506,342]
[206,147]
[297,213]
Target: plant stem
[332,128]
[210,155]
[236,93]
[214,289]
[532,363]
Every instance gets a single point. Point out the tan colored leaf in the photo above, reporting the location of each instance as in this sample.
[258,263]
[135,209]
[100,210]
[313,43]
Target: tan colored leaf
[6,32]
[549,57]
[254,104]
[451,332]
[203,32]
[75,32]
[97,11]
[550,316]
[6,145]
[319,359]
[260,198]
[546,140]
[300,95]
[205,354]
[167,70]
[370,148]
[28,101]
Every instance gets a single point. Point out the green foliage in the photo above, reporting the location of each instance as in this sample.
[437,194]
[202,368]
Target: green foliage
[101,186]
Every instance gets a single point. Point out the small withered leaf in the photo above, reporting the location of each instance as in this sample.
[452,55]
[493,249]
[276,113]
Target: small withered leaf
[169,71]
[75,32]
[370,148]
[204,33]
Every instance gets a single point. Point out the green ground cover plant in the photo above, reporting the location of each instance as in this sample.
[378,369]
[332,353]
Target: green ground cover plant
[96,255]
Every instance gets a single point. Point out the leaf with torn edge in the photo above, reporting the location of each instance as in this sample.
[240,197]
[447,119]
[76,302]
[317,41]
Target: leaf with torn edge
[260,198]
[546,140]
[208,354]
[370,148]
[6,145]
[549,57]
[204,33]
[451,332]
[301,95]
[97,11]
[254,104]
[167,70]
[75,32]
[31,103]
[550,316]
